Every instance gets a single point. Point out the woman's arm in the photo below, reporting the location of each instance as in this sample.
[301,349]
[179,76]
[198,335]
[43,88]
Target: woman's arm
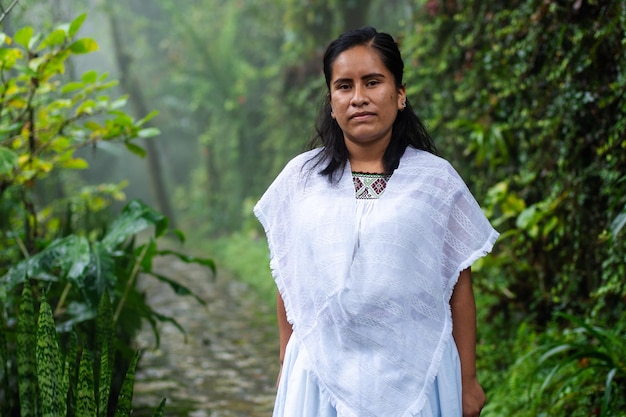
[284,330]
[464,331]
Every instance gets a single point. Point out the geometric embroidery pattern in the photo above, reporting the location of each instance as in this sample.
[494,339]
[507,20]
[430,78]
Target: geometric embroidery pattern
[369,186]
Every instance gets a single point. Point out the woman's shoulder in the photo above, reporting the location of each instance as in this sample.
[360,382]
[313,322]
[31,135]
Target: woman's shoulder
[302,159]
[424,159]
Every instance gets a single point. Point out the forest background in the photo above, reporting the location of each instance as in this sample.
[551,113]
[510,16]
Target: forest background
[525,98]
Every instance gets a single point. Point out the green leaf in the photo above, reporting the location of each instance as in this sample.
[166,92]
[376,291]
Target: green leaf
[191,259]
[83,46]
[26,363]
[150,115]
[48,364]
[159,410]
[104,384]
[57,37]
[85,400]
[8,161]
[90,77]
[76,25]
[148,132]
[74,163]
[67,258]
[23,36]
[135,149]
[125,399]
[72,87]
[135,217]
[178,288]
[104,342]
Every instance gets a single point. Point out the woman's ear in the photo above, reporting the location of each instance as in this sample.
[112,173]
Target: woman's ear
[402,97]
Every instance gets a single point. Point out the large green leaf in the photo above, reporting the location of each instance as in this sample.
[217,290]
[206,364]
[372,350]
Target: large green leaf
[49,364]
[100,275]
[125,398]
[86,400]
[135,217]
[68,258]
[26,363]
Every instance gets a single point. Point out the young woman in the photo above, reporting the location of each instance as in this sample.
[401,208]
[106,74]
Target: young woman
[371,238]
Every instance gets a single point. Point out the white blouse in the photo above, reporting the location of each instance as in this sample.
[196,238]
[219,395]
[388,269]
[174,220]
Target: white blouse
[369,300]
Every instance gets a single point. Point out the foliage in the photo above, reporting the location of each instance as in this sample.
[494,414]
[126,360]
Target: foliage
[531,92]
[54,381]
[578,371]
[44,120]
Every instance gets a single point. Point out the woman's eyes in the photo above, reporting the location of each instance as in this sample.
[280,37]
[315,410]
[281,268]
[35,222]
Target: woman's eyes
[370,83]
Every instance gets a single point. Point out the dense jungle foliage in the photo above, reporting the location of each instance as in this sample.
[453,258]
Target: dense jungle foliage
[525,98]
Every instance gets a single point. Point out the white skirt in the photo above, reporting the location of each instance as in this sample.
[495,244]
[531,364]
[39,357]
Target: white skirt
[299,396]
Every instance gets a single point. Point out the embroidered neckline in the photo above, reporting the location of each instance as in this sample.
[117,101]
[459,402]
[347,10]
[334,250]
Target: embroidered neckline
[369,186]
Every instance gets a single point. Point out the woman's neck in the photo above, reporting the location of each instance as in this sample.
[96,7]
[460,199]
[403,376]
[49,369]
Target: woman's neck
[366,158]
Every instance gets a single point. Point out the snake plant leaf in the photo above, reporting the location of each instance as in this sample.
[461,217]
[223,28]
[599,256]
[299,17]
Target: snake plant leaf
[104,384]
[159,410]
[72,371]
[125,399]
[49,364]
[86,399]
[104,338]
[26,364]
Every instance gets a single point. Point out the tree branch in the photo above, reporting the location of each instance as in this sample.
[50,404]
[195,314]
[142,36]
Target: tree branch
[7,11]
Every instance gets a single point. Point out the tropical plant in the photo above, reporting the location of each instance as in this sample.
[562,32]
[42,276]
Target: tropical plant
[56,380]
[58,242]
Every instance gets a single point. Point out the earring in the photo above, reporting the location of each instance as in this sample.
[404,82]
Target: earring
[404,104]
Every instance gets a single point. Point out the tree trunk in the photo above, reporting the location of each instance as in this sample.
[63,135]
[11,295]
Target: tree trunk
[131,85]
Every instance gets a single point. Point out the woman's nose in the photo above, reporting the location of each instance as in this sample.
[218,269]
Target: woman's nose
[359,97]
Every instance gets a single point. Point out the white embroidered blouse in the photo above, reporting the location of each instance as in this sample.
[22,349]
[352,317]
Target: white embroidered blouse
[370,302]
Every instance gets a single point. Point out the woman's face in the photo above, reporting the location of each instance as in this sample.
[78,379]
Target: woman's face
[364,97]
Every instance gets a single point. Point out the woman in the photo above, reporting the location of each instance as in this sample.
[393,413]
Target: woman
[371,238]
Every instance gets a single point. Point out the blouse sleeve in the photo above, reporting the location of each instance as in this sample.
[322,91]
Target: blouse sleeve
[468,235]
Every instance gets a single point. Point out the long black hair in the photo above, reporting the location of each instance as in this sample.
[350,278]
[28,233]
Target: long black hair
[407,130]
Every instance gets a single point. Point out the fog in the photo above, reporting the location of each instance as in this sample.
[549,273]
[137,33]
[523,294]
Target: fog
[236,86]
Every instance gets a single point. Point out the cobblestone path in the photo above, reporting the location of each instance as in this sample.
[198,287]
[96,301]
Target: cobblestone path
[228,365]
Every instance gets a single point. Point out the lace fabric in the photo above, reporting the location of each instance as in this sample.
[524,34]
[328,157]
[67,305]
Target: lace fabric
[371,308]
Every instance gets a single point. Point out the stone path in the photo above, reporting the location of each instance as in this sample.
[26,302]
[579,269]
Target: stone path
[228,365]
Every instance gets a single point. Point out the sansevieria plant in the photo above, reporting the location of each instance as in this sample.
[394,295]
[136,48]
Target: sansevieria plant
[77,382]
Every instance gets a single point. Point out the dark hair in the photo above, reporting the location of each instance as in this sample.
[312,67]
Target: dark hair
[407,130]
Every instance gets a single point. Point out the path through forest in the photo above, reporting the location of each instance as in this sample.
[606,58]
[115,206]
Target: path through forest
[227,366]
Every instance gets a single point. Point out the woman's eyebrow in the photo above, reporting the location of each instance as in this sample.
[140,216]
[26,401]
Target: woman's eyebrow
[365,77]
